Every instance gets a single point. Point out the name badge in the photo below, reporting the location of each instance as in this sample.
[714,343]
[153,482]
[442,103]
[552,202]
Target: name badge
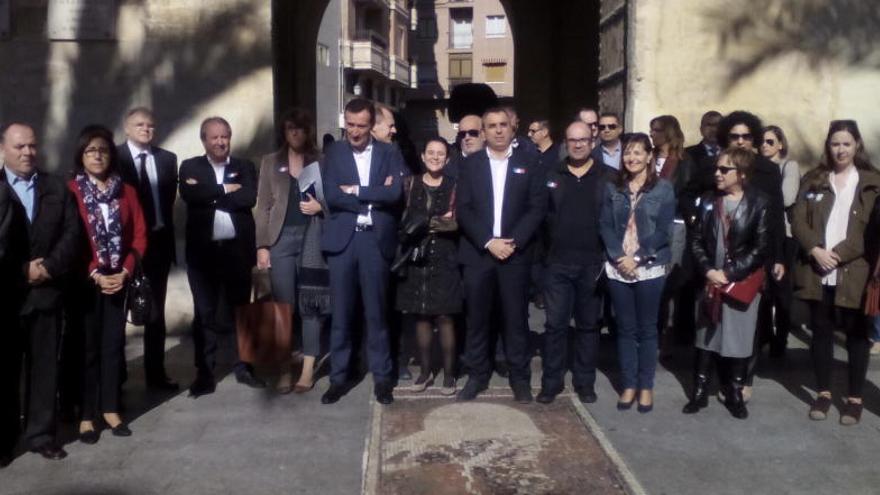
[519,170]
[232,175]
[820,196]
[283,169]
[552,185]
[709,206]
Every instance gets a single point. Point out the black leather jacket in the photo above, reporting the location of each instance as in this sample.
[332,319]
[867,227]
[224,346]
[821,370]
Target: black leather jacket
[748,237]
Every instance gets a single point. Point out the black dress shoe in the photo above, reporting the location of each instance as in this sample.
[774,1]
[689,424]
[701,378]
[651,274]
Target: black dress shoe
[162,384]
[472,389]
[121,430]
[333,394]
[384,395]
[50,451]
[89,437]
[247,377]
[522,393]
[587,396]
[546,397]
[502,369]
[202,386]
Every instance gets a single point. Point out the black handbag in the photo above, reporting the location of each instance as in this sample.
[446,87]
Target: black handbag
[139,304]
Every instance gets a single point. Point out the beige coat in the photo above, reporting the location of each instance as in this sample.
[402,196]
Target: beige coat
[273,193]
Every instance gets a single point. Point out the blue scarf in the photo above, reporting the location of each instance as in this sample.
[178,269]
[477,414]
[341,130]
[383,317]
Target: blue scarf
[106,238]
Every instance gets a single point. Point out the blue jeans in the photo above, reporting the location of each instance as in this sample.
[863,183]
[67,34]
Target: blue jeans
[636,306]
[875,329]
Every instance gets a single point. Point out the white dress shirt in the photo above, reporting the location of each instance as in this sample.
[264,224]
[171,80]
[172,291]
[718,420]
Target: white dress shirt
[223,227]
[152,175]
[499,180]
[363,160]
[838,220]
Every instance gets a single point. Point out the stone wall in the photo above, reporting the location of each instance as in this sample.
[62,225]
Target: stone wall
[187,59]
[796,63]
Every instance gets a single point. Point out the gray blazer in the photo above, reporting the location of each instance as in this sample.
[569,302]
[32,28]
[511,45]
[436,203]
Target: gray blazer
[273,191]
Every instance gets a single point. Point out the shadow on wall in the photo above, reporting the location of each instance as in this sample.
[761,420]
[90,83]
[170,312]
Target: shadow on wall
[757,32]
[176,64]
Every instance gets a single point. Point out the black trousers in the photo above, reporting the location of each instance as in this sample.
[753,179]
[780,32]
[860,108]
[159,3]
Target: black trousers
[571,290]
[10,377]
[824,317]
[40,333]
[157,266]
[104,354]
[220,280]
[508,284]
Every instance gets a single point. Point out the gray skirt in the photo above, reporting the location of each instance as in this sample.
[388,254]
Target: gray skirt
[734,335]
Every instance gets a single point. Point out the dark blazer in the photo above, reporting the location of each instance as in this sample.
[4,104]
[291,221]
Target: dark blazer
[134,227]
[525,204]
[54,235]
[340,169]
[203,197]
[748,239]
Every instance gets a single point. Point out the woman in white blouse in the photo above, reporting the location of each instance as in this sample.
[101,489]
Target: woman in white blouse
[828,221]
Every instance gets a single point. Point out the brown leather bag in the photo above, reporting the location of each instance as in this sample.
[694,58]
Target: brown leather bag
[264,327]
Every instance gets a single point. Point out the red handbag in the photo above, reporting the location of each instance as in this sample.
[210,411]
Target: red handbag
[872,292]
[745,290]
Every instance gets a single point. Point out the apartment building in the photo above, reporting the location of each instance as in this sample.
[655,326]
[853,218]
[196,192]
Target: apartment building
[455,42]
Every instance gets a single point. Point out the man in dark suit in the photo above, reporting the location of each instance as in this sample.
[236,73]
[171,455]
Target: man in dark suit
[501,203]
[51,225]
[219,192]
[153,172]
[704,153]
[362,185]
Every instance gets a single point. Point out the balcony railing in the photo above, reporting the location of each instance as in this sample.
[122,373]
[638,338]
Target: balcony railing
[400,71]
[371,35]
[366,55]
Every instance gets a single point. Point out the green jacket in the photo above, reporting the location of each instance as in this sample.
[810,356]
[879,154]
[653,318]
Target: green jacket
[809,217]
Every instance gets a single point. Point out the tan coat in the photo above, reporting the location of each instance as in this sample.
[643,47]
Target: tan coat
[273,192]
[809,217]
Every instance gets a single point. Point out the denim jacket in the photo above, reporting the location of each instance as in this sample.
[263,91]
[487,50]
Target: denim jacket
[655,214]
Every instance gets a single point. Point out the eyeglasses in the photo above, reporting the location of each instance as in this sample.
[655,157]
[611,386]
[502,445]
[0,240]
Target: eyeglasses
[609,127]
[533,131]
[725,170]
[575,142]
[469,132]
[736,137]
[96,151]
[770,142]
[592,124]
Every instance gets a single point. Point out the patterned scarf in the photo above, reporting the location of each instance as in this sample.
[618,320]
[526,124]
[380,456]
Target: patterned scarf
[107,239]
[631,235]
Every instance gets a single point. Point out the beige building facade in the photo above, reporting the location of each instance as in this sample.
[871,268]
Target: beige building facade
[456,42]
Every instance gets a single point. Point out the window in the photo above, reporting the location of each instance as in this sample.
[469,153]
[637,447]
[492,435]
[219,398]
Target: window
[323,55]
[461,68]
[461,33]
[495,73]
[427,28]
[496,26]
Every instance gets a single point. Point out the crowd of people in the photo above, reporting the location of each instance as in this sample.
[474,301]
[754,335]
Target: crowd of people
[606,228]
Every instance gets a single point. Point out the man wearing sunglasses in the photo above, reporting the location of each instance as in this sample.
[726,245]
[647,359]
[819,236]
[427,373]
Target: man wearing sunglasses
[548,151]
[469,139]
[609,151]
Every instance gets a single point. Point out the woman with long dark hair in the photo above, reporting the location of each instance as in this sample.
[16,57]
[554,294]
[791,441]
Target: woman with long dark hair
[829,222]
[288,217]
[430,291]
[636,227]
[117,234]
[730,244]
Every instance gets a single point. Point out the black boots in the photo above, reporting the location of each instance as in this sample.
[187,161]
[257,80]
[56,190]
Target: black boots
[700,396]
[736,379]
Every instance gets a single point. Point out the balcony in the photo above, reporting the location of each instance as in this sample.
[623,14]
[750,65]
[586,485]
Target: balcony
[377,3]
[371,36]
[366,55]
[400,71]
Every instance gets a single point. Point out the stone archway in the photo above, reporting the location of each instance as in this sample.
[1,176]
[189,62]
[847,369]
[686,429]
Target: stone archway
[556,52]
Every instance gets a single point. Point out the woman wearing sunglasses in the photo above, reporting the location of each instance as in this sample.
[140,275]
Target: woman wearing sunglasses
[730,243]
[829,222]
[774,317]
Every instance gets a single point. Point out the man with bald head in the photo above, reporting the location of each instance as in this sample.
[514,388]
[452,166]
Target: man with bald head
[47,209]
[470,139]
[385,127]
[575,257]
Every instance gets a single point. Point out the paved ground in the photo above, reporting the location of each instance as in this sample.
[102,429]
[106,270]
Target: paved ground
[245,441]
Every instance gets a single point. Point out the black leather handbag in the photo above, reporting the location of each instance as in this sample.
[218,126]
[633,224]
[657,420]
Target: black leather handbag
[139,304]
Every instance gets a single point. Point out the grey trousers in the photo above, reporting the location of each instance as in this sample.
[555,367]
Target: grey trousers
[284,257]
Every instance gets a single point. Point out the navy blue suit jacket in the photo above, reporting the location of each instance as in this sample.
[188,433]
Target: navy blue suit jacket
[525,205]
[340,169]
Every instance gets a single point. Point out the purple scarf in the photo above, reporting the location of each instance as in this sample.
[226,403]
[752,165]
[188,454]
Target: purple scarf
[107,239]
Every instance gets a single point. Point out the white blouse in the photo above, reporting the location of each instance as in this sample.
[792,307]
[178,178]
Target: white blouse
[838,220]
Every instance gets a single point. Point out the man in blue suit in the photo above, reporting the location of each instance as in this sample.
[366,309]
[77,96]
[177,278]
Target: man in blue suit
[362,185]
[501,203]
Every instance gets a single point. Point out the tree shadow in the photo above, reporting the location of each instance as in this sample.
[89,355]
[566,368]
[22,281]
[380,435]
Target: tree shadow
[755,33]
